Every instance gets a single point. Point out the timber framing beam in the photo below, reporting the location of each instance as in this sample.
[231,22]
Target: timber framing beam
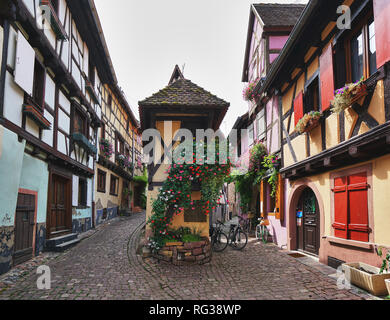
[375,143]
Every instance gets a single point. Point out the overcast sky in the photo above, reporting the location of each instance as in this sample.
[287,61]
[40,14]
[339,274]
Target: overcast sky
[146,39]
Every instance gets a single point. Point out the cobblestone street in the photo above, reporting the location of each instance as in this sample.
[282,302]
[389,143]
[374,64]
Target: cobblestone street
[105,266]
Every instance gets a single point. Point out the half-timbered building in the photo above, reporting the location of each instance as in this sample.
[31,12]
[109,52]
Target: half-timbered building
[180,105]
[54,69]
[268,30]
[115,189]
[336,169]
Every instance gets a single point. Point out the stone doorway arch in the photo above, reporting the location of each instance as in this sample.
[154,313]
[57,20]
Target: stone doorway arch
[293,201]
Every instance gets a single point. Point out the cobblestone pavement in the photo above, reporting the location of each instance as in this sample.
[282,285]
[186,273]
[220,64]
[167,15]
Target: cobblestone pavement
[105,266]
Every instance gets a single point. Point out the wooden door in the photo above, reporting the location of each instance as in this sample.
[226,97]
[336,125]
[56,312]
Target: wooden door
[60,218]
[308,233]
[24,228]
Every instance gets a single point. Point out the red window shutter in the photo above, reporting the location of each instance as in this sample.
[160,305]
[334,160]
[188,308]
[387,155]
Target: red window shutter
[341,208]
[298,107]
[327,77]
[382,31]
[358,228]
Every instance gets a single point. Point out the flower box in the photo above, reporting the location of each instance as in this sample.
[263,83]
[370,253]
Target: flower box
[83,142]
[367,277]
[387,281]
[89,87]
[54,20]
[308,122]
[345,97]
[32,112]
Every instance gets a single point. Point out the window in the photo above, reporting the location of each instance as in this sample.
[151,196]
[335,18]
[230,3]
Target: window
[101,181]
[312,96]
[109,101]
[351,207]
[120,144]
[103,131]
[261,125]
[114,185]
[39,84]
[91,72]
[251,135]
[361,51]
[80,123]
[83,188]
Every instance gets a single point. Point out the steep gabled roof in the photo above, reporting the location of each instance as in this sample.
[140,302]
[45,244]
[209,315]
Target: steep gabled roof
[183,92]
[277,14]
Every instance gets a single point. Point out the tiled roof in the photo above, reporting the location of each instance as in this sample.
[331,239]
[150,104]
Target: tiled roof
[275,14]
[183,92]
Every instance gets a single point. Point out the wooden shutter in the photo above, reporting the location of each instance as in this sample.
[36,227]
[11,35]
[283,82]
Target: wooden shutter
[382,31]
[358,207]
[327,77]
[24,64]
[280,199]
[298,107]
[341,207]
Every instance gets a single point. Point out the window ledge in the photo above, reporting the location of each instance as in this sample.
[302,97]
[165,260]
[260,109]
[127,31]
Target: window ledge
[350,243]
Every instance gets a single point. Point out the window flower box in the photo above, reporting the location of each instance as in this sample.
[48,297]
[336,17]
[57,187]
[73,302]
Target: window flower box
[345,97]
[89,87]
[367,277]
[54,20]
[308,122]
[36,115]
[83,142]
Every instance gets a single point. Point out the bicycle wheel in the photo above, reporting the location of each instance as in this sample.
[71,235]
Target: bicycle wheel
[239,240]
[264,234]
[219,242]
[258,232]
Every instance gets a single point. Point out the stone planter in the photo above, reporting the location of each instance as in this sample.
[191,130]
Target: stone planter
[180,253]
[374,283]
[387,281]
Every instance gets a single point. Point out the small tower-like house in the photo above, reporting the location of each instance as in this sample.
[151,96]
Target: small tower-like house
[182,104]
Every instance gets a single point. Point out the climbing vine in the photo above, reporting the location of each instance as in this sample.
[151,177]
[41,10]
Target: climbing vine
[175,195]
[271,163]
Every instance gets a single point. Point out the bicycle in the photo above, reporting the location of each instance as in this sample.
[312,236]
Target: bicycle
[238,239]
[245,224]
[219,240]
[262,232]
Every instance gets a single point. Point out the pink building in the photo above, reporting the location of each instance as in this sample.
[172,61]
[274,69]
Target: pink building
[268,30]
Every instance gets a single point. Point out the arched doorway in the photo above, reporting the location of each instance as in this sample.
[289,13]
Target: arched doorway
[308,222]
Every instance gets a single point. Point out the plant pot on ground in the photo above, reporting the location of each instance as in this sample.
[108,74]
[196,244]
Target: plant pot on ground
[367,277]
[387,282]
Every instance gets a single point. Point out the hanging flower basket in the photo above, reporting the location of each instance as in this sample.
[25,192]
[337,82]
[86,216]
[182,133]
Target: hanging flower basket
[308,122]
[124,162]
[106,148]
[348,95]
[248,92]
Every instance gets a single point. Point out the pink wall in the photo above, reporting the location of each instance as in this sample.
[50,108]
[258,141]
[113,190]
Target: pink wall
[277,42]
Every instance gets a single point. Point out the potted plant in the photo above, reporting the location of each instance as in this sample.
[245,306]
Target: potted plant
[385,266]
[367,277]
[124,162]
[247,93]
[106,148]
[348,95]
[308,122]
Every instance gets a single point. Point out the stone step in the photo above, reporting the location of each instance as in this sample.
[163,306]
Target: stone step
[66,245]
[54,242]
